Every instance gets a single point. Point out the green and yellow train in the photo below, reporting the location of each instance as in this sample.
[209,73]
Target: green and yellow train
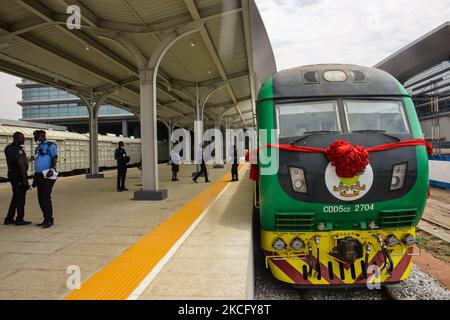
[321,228]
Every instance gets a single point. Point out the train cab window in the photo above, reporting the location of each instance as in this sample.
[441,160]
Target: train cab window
[295,119]
[387,116]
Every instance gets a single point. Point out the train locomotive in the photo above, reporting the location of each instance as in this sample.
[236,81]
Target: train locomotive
[352,178]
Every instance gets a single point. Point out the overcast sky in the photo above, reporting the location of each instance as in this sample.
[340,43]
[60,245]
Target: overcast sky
[321,31]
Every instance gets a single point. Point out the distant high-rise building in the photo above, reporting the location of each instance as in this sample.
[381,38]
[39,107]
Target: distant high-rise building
[44,104]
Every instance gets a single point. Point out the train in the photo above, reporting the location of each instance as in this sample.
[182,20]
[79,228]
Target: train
[352,177]
[73,149]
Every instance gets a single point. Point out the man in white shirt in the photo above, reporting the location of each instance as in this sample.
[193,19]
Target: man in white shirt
[175,159]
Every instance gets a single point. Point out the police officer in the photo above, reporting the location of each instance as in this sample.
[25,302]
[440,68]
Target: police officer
[203,168]
[122,159]
[17,174]
[234,165]
[45,161]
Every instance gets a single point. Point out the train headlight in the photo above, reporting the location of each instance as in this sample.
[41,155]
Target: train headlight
[409,240]
[335,76]
[298,180]
[398,176]
[279,244]
[392,241]
[297,244]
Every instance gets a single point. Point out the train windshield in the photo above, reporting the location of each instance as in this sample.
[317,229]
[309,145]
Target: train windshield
[387,116]
[295,119]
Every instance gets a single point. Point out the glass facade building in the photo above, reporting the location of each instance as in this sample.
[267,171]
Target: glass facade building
[46,104]
[435,82]
[431,93]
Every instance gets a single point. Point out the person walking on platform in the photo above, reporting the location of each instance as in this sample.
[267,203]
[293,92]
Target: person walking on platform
[17,163]
[175,160]
[234,165]
[203,169]
[122,159]
[45,162]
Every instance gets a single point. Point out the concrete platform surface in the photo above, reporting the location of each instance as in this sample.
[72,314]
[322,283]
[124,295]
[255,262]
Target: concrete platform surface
[94,224]
[215,261]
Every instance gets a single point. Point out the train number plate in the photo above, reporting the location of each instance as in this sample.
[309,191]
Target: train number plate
[347,209]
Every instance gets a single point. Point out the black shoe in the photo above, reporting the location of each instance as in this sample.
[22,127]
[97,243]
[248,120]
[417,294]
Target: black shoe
[22,223]
[119,190]
[206,181]
[41,224]
[193,179]
[8,222]
[124,189]
[47,225]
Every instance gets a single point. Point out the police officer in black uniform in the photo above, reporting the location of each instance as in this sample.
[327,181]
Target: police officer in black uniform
[235,165]
[122,159]
[17,174]
[203,168]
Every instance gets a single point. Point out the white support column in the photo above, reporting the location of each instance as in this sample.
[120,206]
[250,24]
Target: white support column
[198,130]
[149,143]
[148,72]
[93,110]
[93,145]
[219,165]
[171,126]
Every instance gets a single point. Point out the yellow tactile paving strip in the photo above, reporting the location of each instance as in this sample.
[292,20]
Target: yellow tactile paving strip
[118,280]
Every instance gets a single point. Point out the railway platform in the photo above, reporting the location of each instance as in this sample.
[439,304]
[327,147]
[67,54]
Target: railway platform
[125,249]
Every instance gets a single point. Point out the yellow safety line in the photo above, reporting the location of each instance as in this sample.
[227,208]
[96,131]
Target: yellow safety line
[119,279]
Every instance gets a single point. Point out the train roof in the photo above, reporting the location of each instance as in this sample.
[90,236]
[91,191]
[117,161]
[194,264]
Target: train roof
[310,81]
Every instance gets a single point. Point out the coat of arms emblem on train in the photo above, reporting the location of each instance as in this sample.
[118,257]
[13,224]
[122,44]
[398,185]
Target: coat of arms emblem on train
[348,189]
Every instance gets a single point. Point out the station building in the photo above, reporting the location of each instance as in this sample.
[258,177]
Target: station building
[423,67]
[45,104]
[431,92]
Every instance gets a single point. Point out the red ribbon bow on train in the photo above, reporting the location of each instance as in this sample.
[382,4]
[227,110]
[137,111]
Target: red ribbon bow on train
[349,160]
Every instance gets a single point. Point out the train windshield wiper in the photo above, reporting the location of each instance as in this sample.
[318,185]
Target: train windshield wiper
[309,133]
[383,132]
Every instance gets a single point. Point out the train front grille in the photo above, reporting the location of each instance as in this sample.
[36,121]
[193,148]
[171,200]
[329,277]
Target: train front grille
[294,221]
[397,218]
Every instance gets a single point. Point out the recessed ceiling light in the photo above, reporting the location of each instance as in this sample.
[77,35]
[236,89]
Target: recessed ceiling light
[209,71]
[192,43]
[87,48]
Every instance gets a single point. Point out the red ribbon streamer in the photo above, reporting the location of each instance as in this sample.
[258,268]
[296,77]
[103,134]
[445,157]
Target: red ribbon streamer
[349,160]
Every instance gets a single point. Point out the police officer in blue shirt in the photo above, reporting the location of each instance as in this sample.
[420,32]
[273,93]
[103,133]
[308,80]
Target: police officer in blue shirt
[46,158]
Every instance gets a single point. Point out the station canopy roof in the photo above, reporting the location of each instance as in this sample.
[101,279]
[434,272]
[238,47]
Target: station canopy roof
[229,50]
[420,55]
